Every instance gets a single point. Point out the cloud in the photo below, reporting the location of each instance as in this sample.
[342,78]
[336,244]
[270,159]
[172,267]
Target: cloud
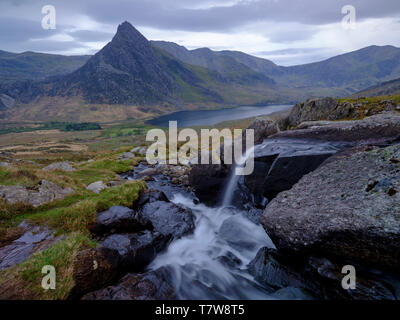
[268,28]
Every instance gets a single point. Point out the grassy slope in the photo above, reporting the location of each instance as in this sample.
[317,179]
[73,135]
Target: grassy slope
[33,66]
[69,217]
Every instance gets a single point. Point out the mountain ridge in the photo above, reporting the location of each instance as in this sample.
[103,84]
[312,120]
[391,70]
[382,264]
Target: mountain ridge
[155,75]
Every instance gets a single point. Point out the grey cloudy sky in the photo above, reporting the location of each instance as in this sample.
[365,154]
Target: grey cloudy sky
[287,32]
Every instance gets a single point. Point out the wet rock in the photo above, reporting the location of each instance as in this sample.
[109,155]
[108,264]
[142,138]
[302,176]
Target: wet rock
[136,250]
[332,210]
[119,219]
[268,270]
[94,269]
[33,240]
[169,218]
[230,260]
[317,278]
[149,172]
[280,163]
[149,196]
[207,180]
[154,285]
[240,238]
[63,166]
[327,277]
[96,187]
[47,192]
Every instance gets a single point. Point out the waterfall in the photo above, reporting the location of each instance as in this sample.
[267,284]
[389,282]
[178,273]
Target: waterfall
[234,178]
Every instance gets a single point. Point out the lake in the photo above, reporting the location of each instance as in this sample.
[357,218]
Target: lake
[211,117]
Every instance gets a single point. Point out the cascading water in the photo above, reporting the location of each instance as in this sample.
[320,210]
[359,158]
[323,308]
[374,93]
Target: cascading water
[234,178]
[212,262]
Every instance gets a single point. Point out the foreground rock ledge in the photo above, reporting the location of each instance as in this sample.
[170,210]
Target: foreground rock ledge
[348,208]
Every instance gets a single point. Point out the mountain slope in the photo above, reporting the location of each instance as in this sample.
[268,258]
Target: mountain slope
[388,88]
[228,67]
[343,74]
[352,71]
[130,71]
[32,65]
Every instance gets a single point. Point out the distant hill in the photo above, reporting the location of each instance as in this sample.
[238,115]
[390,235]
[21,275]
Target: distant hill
[228,67]
[35,66]
[388,88]
[341,75]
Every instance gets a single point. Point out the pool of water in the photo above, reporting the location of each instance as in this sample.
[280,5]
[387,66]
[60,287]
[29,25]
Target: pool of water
[211,117]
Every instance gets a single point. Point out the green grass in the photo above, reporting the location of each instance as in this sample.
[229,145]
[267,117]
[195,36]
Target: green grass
[76,217]
[27,276]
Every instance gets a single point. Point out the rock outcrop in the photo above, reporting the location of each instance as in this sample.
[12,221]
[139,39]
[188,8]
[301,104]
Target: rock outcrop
[120,219]
[96,187]
[380,127]
[348,209]
[47,192]
[317,278]
[34,239]
[312,110]
[331,109]
[63,166]
[154,285]
[94,269]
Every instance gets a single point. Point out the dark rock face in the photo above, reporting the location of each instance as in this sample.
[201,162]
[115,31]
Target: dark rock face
[347,208]
[93,269]
[317,278]
[280,163]
[120,219]
[136,250]
[149,196]
[207,180]
[127,70]
[155,285]
[168,218]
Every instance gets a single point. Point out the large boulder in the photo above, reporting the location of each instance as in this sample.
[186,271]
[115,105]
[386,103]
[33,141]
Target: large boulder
[347,208]
[280,163]
[153,285]
[119,219]
[312,110]
[263,128]
[136,250]
[169,218]
[207,180]
[94,269]
[380,127]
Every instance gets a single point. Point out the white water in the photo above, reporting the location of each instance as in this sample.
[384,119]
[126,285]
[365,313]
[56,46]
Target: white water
[234,178]
[194,259]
